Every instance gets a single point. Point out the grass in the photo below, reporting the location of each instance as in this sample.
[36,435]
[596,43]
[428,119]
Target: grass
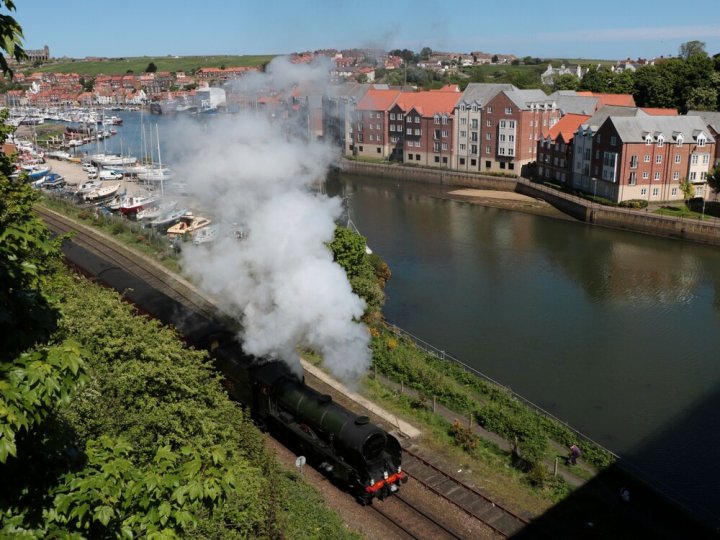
[138,64]
[680,211]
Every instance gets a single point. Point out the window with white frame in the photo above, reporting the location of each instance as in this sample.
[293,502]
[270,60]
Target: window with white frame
[436,119]
[511,124]
[656,175]
[417,119]
[643,191]
[444,146]
[392,127]
[409,131]
[463,133]
[613,140]
[445,133]
[648,140]
[658,159]
[676,175]
[502,123]
[647,158]
[701,140]
[646,175]
[693,175]
[660,141]
[474,149]
[436,147]
[511,138]
[501,151]
[417,131]
[633,179]
[392,116]
[488,123]
[463,147]
[508,110]
[677,158]
[510,151]
[673,191]
[502,137]
[633,162]
[473,123]
[489,109]
[488,150]
[488,136]
[656,191]
[463,121]
[706,159]
[694,159]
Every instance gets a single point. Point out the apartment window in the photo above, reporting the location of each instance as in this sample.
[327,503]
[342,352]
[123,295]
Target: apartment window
[661,141]
[463,133]
[502,123]
[474,149]
[646,175]
[597,154]
[510,152]
[360,137]
[410,157]
[436,134]
[508,110]
[409,131]
[445,132]
[436,147]
[694,159]
[488,150]
[647,158]
[693,175]
[633,179]
[417,119]
[437,119]
[463,121]
[677,158]
[598,138]
[501,151]
[394,139]
[417,157]
[613,140]
[648,140]
[392,127]
[378,150]
[674,191]
[511,124]
[633,162]
[437,159]
[462,161]
[392,116]
[488,109]
[656,176]
[658,159]
[532,123]
[417,144]
[444,146]
[488,136]
[474,123]
[656,191]
[445,121]
[488,123]
[487,164]
[474,136]
[643,191]
[676,175]
[706,159]
[417,131]
[511,138]
[502,164]
[372,138]
[701,141]
[502,137]
[463,147]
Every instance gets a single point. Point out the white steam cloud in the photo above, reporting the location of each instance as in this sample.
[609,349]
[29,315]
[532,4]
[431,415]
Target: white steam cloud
[249,172]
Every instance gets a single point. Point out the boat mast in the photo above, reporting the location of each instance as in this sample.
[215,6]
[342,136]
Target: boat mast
[157,137]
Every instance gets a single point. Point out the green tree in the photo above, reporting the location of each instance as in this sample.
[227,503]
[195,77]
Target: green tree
[702,99]
[687,189]
[691,48]
[494,59]
[151,68]
[653,87]
[10,38]
[425,53]
[713,181]
[597,80]
[361,78]
[567,81]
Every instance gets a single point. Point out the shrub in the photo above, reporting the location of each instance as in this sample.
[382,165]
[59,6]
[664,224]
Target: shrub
[634,203]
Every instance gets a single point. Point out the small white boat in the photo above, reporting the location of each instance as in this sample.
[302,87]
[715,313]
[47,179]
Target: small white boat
[89,186]
[155,175]
[157,210]
[105,192]
[132,205]
[169,219]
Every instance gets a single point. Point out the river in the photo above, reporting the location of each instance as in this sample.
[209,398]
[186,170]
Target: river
[614,332]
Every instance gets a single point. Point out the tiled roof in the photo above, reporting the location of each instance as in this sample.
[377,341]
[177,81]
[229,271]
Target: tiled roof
[711,118]
[634,129]
[483,92]
[377,100]
[566,126]
[657,111]
[620,100]
[429,103]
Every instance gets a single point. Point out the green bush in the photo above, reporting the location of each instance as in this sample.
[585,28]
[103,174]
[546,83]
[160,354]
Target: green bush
[634,203]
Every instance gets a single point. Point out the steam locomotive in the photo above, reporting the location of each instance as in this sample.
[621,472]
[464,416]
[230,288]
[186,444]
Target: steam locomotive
[348,448]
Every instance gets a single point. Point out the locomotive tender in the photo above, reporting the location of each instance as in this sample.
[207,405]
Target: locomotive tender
[346,447]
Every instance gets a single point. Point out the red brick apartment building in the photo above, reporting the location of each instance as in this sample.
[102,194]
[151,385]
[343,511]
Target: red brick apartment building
[371,124]
[421,127]
[513,121]
[555,149]
[712,121]
[646,157]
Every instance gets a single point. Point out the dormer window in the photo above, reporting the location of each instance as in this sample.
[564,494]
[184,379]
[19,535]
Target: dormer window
[648,140]
[701,140]
[679,140]
[462,107]
[660,141]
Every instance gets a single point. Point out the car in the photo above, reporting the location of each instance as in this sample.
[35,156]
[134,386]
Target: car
[92,175]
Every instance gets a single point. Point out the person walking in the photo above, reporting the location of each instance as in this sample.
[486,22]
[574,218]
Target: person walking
[575,453]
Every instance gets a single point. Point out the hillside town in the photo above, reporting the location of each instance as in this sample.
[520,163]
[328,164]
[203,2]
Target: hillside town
[596,142]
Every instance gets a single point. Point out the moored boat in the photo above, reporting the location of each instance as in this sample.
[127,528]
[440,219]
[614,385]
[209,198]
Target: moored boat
[132,205]
[103,193]
[168,219]
[189,224]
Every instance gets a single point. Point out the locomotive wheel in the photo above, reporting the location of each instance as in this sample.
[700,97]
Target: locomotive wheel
[364,499]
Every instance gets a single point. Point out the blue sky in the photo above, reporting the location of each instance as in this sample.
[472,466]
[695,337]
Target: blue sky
[547,28]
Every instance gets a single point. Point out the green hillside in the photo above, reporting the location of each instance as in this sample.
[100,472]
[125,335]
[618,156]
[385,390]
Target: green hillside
[119,66]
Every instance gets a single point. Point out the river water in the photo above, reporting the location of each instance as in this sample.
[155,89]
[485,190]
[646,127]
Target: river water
[614,332]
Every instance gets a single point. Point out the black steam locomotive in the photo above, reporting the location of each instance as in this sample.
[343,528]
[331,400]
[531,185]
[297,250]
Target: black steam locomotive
[350,450]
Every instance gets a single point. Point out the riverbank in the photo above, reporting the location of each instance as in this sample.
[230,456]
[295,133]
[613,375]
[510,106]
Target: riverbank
[563,205]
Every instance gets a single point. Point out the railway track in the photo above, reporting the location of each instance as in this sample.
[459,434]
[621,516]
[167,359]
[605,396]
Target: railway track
[407,518]
[501,520]
[125,258]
